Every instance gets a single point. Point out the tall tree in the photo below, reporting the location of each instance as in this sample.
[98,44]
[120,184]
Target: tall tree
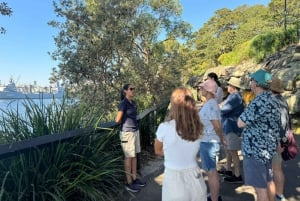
[104,44]
[285,12]
[229,29]
[253,21]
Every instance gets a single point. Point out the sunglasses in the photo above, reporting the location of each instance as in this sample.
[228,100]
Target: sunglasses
[131,89]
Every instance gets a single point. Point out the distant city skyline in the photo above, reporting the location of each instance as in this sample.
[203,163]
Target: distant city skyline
[25,46]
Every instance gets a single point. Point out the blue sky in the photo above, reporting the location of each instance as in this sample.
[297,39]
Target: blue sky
[25,46]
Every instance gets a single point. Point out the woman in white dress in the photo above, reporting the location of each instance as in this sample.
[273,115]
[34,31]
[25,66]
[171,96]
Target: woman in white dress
[178,139]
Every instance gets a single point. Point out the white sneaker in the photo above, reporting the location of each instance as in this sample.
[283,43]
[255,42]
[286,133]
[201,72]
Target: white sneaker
[280,198]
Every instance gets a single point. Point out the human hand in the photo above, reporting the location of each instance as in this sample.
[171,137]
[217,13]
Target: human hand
[280,149]
[223,140]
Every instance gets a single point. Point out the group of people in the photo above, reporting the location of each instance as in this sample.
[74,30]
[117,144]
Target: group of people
[189,134]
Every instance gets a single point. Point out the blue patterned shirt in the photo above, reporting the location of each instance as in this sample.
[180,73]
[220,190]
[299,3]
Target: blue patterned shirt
[262,119]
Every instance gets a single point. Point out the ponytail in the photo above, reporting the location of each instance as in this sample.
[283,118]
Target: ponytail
[215,77]
[125,87]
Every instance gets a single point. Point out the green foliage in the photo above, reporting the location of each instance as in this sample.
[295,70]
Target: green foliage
[88,167]
[237,56]
[81,169]
[6,11]
[104,44]
[225,38]
[42,119]
[226,30]
[280,18]
[269,43]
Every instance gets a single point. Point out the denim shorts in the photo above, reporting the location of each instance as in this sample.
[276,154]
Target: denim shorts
[209,154]
[256,173]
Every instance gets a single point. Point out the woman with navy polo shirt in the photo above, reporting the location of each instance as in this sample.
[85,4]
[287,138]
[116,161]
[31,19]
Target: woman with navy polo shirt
[129,136]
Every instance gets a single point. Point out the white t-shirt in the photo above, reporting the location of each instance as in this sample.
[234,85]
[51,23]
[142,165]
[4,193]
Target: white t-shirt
[178,153]
[219,95]
[210,111]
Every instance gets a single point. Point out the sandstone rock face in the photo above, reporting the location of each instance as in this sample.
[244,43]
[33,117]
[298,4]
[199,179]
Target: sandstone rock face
[285,65]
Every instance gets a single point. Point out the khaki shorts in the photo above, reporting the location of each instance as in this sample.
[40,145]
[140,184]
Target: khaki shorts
[130,142]
[233,142]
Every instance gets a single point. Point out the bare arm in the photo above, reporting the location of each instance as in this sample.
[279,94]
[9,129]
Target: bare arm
[218,128]
[158,147]
[241,124]
[119,117]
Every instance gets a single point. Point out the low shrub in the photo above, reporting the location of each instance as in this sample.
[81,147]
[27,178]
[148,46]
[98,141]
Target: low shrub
[88,167]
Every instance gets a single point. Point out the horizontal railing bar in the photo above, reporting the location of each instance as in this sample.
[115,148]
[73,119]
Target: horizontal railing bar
[10,149]
[19,146]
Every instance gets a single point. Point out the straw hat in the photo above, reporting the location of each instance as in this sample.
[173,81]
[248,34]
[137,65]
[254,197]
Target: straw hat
[276,85]
[236,82]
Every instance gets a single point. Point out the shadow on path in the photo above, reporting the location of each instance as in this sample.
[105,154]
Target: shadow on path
[153,174]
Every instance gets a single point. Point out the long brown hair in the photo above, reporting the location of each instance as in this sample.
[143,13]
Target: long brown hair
[183,110]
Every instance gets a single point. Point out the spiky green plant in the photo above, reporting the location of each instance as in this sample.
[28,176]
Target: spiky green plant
[87,167]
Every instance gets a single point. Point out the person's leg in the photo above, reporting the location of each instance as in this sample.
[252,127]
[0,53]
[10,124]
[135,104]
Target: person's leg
[209,153]
[227,169]
[271,190]
[233,145]
[259,176]
[133,168]
[128,169]
[236,162]
[278,174]
[262,194]
[228,160]
[128,143]
[236,177]
[213,184]
[270,182]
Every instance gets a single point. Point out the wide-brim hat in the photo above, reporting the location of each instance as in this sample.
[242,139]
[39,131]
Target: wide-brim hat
[210,86]
[262,77]
[276,85]
[236,82]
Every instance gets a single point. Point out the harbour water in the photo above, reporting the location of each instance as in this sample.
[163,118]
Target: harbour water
[18,104]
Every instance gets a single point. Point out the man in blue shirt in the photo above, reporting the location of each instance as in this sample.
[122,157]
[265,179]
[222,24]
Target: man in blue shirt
[261,122]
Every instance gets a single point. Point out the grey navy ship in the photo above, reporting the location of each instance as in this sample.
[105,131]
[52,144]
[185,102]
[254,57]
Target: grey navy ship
[11,91]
